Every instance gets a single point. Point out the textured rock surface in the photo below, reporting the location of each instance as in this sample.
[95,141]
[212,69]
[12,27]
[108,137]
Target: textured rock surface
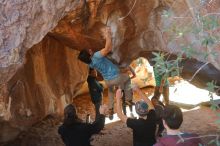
[23,24]
[36,83]
[138,29]
[50,78]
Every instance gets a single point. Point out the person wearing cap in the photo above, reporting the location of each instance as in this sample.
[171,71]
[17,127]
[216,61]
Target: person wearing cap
[109,71]
[76,133]
[144,128]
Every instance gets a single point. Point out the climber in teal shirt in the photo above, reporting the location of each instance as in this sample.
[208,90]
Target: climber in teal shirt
[110,72]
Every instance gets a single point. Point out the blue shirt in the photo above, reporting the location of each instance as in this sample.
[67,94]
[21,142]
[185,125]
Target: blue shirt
[108,70]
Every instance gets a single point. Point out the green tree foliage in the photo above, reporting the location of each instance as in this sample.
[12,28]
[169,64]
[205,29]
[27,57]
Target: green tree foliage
[203,28]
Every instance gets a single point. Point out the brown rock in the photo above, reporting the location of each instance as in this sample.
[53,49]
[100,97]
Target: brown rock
[49,79]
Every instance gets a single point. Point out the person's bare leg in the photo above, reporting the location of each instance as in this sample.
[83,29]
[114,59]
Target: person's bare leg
[156,96]
[166,95]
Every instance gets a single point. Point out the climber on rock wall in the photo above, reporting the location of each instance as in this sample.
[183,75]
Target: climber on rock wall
[110,72]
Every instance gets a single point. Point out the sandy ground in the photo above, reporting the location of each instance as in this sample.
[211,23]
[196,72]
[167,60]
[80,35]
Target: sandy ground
[200,120]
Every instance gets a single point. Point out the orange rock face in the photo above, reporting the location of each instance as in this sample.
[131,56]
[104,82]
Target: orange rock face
[49,78]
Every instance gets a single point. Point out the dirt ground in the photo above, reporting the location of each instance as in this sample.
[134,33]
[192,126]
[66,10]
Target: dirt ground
[200,120]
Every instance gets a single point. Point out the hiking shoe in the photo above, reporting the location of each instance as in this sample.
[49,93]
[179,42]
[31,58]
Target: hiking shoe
[111,112]
[130,102]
